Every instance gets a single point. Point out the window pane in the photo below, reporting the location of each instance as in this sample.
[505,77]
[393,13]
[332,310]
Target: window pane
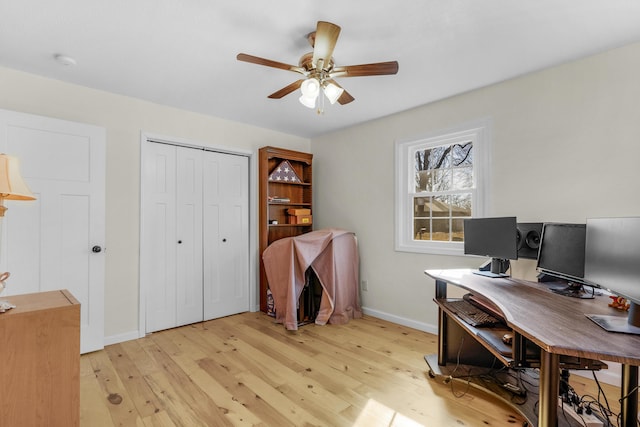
[441,206]
[439,157]
[421,229]
[421,207]
[461,205]
[462,178]
[462,154]
[441,180]
[440,230]
[457,230]
[425,180]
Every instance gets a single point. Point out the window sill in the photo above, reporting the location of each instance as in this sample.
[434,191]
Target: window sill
[433,248]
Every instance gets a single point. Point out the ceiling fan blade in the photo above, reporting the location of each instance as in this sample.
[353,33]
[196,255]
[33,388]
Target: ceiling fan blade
[377,69]
[268,63]
[286,90]
[325,41]
[345,98]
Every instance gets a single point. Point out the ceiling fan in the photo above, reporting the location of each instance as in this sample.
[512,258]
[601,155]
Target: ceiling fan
[319,70]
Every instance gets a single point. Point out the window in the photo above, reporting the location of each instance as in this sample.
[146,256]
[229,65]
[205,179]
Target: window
[441,179]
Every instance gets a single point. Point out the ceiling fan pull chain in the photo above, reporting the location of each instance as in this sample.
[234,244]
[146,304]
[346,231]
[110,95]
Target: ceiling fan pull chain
[321,103]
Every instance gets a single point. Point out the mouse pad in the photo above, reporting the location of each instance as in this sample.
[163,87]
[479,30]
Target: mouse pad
[494,337]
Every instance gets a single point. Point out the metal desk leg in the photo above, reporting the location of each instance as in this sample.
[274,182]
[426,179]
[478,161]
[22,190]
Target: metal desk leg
[629,395]
[549,389]
[441,289]
[441,293]
[442,337]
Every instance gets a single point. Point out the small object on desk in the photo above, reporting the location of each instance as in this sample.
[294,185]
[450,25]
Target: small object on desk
[507,338]
[619,303]
[4,305]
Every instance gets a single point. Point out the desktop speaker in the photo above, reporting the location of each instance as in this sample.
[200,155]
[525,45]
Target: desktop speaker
[529,239]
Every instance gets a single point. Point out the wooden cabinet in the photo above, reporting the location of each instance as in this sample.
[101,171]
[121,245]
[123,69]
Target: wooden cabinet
[277,197]
[40,360]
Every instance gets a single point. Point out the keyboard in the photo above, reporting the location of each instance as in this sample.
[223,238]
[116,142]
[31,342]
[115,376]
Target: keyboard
[470,313]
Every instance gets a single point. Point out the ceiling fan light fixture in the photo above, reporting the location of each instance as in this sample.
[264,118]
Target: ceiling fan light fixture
[332,92]
[310,88]
[308,101]
[318,69]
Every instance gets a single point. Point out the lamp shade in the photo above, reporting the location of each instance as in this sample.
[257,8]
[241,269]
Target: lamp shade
[12,187]
[332,92]
[309,102]
[310,88]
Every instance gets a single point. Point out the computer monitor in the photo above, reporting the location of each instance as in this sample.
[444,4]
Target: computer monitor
[496,238]
[561,258]
[612,261]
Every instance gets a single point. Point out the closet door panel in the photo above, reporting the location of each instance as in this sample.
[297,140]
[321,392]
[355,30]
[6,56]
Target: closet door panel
[226,231]
[189,236]
[158,252]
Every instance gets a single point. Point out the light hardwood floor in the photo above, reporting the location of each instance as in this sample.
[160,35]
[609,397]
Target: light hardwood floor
[246,370]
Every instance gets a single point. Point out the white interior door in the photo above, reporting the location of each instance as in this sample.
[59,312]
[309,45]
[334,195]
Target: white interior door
[226,235]
[48,244]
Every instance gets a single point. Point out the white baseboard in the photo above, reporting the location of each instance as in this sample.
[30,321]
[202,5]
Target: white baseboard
[421,326]
[115,339]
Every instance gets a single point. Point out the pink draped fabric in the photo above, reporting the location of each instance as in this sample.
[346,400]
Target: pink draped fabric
[333,256]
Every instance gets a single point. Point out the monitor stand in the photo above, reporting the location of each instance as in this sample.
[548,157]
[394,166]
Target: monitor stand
[574,290]
[626,325]
[497,268]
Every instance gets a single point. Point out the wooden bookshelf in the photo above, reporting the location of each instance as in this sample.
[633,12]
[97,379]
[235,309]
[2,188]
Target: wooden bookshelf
[273,218]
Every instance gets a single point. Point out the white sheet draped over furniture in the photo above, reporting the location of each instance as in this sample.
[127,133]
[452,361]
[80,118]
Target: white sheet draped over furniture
[333,256]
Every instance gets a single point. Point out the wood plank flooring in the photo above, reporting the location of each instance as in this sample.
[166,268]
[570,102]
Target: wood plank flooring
[245,370]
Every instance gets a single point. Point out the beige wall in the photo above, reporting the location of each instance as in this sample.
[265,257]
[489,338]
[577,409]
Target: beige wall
[124,119]
[566,142]
[566,146]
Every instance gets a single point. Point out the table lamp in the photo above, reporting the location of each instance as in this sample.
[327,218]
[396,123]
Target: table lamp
[12,187]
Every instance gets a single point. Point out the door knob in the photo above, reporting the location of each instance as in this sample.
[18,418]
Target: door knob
[224,240]
[96,249]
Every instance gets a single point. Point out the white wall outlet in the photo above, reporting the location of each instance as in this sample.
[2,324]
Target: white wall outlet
[365,285]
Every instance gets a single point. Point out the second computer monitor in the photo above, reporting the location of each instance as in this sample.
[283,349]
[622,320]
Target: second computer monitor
[496,238]
[561,257]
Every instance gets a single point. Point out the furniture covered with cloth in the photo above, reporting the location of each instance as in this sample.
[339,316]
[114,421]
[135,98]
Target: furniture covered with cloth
[332,254]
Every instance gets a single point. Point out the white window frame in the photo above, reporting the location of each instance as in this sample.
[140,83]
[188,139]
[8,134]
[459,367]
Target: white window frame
[479,132]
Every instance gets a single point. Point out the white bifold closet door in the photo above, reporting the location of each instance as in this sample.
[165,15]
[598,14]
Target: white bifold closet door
[195,244]
[226,234]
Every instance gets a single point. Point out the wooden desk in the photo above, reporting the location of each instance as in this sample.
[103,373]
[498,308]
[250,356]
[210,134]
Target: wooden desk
[40,360]
[555,323]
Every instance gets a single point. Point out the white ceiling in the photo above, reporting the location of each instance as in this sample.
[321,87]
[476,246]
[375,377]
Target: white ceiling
[182,53]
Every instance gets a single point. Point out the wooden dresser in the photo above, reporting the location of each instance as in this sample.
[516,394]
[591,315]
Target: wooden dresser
[40,360]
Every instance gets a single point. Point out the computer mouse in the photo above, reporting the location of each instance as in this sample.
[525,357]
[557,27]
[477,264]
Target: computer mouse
[507,338]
